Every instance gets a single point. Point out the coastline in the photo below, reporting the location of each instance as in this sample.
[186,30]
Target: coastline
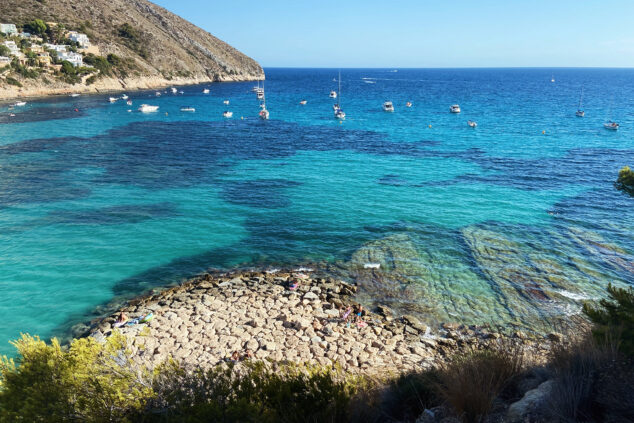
[203,321]
[40,90]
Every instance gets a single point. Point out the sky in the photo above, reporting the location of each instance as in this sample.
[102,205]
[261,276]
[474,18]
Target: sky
[421,33]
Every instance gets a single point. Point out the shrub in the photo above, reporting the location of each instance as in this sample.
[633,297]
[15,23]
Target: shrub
[592,383]
[613,319]
[625,180]
[133,39]
[13,81]
[36,26]
[87,382]
[91,80]
[4,50]
[470,383]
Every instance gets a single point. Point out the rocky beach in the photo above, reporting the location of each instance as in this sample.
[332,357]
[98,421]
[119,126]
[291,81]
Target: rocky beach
[207,319]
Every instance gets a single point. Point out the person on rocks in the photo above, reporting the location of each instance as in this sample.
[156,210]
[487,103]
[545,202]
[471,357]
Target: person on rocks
[235,357]
[294,284]
[248,355]
[121,320]
[346,315]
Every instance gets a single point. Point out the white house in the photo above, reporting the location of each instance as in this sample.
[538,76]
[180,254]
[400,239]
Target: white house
[59,48]
[75,59]
[26,35]
[80,38]
[13,48]
[4,60]
[8,29]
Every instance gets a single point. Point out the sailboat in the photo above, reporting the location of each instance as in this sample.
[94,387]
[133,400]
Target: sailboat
[552,78]
[339,113]
[611,125]
[580,112]
[264,114]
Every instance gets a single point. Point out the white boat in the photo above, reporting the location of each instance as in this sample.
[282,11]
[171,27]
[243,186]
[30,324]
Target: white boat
[339,113]
[226,102]
[181,92]
[112,99]
[408,104]
[174,90]
[74,95]
[454,108]
[552,78]
[129,102]
[206,91]
[613,126]
[580,112]
[264,114]
[472,123]
[146,108]
[158,93]
[333,94]
[124,97]
[188,109]
[303,102]
[388,106]
[260,94]
[227,114]
[20,104]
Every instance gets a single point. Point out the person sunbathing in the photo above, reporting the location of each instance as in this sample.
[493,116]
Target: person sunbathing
[121,320]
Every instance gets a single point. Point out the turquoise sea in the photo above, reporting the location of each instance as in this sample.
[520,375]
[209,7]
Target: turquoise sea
[515,222]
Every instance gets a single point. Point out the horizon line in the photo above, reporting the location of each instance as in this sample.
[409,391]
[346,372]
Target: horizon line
[450,67]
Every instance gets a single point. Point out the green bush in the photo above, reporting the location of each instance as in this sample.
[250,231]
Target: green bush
[625,180]
[36,26]
[133,39]
[13,81]
[4,50]
[613,319]
[87,382]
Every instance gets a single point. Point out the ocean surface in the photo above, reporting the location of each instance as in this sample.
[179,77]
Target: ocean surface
[515,222]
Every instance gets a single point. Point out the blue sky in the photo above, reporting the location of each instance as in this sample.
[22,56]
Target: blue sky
[422,33]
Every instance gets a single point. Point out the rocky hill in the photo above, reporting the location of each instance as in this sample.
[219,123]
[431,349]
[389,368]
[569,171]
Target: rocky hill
[157,47]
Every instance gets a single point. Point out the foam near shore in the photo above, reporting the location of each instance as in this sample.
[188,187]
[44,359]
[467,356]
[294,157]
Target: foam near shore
[204,321]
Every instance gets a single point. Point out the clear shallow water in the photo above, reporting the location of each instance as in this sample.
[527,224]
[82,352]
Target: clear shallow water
[499,224]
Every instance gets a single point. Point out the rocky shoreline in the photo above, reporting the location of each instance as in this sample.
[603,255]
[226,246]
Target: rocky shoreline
[205,320]
[39,89]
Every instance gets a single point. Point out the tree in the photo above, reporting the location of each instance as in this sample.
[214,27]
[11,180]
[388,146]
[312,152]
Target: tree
[4,50]
[625,181]
[614,318]
[36,26]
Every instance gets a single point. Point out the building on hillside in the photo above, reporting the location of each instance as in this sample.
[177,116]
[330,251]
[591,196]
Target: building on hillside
[8,29]
[75,59]
[44,59]
[4,60]
[59,48]
[36,48]
[81,39]
[26,35]
[13,48]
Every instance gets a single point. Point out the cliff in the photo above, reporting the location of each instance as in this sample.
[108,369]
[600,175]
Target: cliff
[153,47]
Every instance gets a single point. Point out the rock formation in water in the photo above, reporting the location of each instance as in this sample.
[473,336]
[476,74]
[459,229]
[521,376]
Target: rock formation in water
[133,43]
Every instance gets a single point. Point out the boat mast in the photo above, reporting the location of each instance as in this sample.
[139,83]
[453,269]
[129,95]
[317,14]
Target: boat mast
[580,99]
[339,93]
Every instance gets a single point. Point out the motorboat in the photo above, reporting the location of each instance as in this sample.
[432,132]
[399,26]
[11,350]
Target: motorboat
[613,126]
[333,94]
[129,102]
[260,94]
[181,92]
[174,90]
[226,102]
[124,97]
[158,93]
[112,99]
[188,109]
[20,104]
[408,104]
[206,91]
[472,123]
[303,102]
[264,114]
[146,108]
[454,108]
[388,106]
[74,95]
[227,114]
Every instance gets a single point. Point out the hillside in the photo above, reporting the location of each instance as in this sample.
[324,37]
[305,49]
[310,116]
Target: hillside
[147,46]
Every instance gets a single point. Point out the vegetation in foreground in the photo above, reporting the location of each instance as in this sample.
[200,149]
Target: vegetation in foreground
[591,381]
[625,180]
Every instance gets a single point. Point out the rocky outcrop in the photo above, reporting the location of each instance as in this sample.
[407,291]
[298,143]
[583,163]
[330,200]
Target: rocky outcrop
[204,321]
[168,50]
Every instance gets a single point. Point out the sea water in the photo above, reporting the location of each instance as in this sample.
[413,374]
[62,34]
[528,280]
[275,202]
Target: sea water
[515,222]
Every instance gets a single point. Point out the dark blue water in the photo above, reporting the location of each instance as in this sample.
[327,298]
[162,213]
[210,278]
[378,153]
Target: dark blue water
[514,222]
